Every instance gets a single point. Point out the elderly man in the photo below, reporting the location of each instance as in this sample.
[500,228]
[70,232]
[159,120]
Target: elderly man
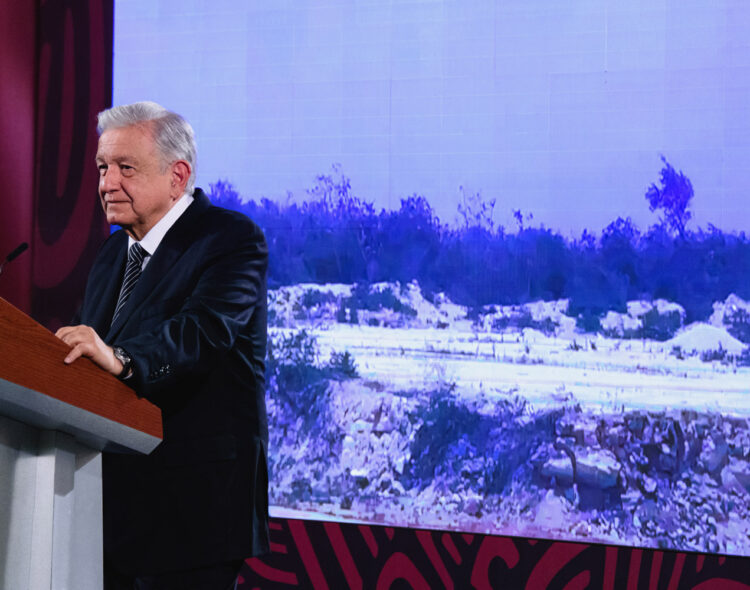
[175,306]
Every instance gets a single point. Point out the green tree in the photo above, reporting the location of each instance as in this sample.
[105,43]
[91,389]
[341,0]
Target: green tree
[672,198]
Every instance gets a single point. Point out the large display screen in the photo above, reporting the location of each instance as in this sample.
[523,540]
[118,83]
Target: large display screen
[509,286]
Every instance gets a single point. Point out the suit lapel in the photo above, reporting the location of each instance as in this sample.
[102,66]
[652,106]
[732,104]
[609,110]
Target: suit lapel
[172,247]
[106,278]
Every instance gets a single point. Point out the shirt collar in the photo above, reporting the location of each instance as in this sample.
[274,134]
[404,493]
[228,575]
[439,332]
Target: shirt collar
[150,242]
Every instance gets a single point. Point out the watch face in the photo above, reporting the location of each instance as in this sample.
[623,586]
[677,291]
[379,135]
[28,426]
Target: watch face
[125,359]
[122,356]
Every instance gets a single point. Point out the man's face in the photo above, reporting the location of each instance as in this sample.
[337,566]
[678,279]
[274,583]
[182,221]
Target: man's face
[135,187]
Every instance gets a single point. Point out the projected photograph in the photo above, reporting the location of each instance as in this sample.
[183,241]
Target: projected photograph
[509,283]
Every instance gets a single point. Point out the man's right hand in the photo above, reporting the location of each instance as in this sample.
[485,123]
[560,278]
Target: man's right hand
[84,341]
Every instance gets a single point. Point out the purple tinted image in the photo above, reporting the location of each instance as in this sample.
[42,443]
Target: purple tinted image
[509,288]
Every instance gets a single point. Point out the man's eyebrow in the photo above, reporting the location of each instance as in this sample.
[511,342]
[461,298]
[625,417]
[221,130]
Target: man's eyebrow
[118,159]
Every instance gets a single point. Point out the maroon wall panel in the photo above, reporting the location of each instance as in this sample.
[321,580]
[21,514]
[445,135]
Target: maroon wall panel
[75,81]
[17,92]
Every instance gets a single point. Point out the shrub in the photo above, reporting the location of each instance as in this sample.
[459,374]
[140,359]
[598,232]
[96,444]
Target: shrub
[738,325]
[465,448]
[660,326]
[342,366]
[589,321]
[292,376]
[719,354]
[312,297]
[524,320]
[364,298]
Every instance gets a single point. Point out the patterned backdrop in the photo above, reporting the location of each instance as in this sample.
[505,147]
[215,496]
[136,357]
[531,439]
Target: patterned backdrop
[308,554]
[74,82]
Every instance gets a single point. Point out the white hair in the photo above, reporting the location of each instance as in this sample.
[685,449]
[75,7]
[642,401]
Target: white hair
[173,135]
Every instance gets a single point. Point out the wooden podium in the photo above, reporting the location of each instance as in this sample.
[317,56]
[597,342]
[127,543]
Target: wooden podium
[55,420]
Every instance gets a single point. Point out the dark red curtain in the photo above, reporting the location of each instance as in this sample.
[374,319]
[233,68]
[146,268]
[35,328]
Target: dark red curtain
[17,114]
[74,83]
[56,75]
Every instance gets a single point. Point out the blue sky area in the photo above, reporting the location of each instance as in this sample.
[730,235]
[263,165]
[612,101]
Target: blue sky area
[561,109]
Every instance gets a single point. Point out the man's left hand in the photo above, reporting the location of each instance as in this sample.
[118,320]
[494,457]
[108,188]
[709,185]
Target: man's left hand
[86,342]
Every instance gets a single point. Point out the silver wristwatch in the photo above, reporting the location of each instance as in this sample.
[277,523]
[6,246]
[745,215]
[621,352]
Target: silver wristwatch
[126,360]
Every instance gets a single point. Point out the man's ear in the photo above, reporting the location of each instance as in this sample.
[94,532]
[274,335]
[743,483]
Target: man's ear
[180,174]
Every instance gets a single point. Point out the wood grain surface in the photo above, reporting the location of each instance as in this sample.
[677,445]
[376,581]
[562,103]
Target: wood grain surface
[32,357]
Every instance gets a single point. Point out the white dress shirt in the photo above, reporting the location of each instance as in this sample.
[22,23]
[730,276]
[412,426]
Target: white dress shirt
[150,242]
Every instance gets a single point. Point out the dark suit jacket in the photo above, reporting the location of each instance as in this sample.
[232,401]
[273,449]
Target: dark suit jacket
[195,325]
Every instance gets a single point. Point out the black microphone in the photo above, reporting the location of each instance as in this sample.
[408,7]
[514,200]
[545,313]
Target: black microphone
[13,255]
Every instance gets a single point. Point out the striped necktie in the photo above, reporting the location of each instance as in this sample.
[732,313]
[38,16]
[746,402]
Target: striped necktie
[136,254]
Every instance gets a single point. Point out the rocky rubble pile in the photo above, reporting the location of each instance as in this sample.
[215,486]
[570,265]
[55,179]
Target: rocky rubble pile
[733,314]
[655,320]
[654,479]
[397,305]
[670,480]
[391,305]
